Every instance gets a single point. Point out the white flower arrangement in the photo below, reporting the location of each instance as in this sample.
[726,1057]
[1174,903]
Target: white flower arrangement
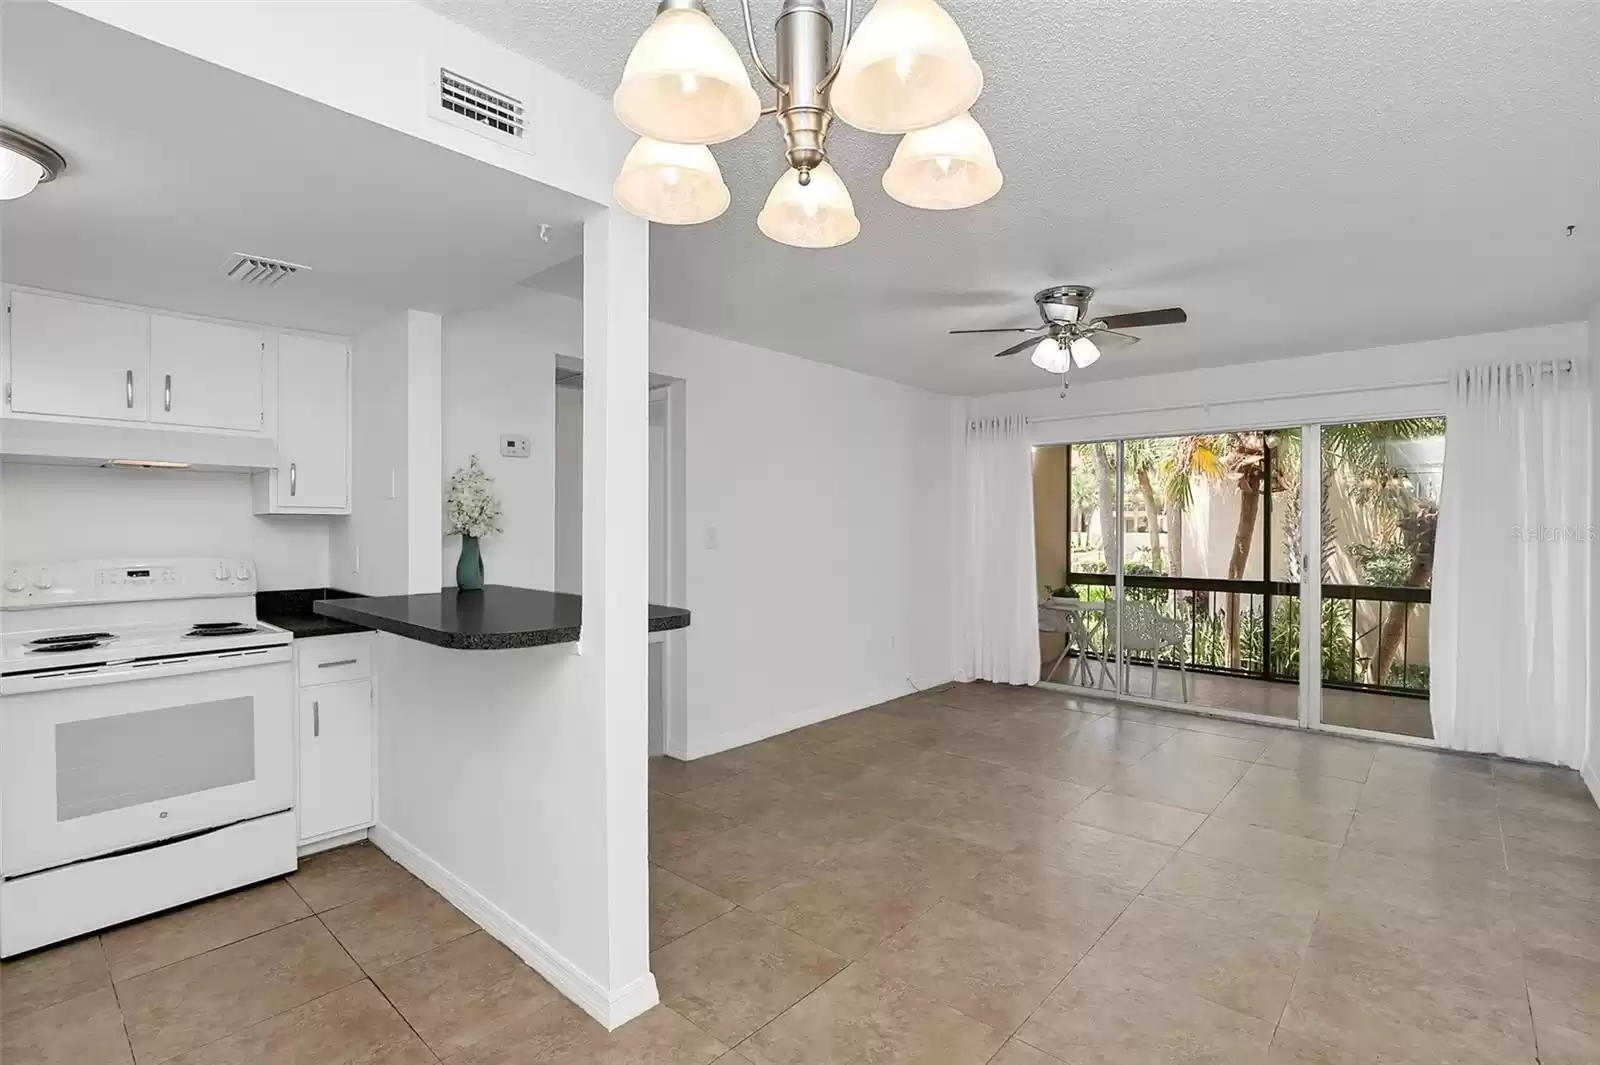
[471,507]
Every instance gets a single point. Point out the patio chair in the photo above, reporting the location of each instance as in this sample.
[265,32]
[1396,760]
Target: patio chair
[1056,620]
[1058,616]
[1145,629]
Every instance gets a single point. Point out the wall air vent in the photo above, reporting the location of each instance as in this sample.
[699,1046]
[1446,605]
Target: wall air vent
[255,270]
[479,103]
[474,106]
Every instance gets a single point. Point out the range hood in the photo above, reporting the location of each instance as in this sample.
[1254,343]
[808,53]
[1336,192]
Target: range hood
[79,444]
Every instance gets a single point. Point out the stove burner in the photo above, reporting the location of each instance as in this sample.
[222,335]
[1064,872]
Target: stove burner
[56,648]
[45,642]
[220,628]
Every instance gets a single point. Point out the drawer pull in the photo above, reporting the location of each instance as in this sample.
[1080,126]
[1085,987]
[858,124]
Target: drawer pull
[340,662]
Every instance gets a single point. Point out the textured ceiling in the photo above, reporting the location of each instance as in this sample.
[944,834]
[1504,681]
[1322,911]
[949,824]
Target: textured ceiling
[174,164]
[1301,176]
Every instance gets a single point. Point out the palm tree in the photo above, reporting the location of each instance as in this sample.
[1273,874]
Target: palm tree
[1144,457]
[1104,469]
[1190,458]
[1362,453]
[1244,462]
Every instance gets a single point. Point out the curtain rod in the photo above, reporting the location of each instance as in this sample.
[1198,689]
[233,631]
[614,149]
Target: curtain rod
[1547,365]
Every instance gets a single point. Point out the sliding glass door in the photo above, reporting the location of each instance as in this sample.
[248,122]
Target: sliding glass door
[1181,570]
[1379,502]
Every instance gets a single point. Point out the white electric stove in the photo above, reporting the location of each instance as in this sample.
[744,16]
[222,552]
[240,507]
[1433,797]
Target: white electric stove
[146,742]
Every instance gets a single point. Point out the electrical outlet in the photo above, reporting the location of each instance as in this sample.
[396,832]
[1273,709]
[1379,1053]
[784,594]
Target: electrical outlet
[513,446]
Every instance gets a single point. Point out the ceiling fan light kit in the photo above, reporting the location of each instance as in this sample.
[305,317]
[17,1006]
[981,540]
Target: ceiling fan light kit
[1074,337]
[1051,357]
[906,70]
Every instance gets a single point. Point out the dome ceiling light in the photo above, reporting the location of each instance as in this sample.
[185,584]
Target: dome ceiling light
[905,70]
[25,163]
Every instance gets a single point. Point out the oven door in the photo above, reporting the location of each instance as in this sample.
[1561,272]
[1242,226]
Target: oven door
[93,770]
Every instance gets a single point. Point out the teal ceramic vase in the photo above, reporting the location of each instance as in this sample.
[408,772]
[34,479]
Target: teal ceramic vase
[469,567]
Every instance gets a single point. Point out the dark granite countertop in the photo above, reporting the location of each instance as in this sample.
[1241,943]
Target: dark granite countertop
[292,609]
[499,617]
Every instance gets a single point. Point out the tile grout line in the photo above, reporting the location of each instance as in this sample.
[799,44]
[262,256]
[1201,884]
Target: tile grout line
[116,997]
[314,915]
[1522,950]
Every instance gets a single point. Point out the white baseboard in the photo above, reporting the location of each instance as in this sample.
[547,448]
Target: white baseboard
[1591,777]
[612,1009]
[327,843]
[755,731]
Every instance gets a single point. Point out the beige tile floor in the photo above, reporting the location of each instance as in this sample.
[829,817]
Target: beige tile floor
[966,876]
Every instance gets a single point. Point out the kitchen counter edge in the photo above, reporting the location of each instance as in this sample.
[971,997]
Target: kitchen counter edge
[486,620]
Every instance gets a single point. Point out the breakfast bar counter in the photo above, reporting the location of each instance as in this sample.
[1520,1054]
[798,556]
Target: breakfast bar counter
[496,617]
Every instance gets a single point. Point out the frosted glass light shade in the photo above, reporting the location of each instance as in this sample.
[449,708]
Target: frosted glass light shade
[1084,352]
[685,84]
[1051,356]
[18,174]
[908,67]
[944,167]
[818,215]
[674,184]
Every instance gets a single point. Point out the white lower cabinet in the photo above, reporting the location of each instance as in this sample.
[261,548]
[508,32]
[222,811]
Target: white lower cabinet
[336,737]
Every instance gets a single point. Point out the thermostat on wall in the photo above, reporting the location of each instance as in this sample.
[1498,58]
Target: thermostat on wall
[514,447]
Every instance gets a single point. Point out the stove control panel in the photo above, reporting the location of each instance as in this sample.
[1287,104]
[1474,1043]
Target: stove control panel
[74,583]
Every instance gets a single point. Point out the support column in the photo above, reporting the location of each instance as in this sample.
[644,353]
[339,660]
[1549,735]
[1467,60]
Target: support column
[616,579]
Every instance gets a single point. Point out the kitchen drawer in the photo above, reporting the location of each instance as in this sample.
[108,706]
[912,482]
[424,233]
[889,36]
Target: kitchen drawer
[334,659]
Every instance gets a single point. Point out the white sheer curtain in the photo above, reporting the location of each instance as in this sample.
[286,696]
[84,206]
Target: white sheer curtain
[1000,600]
[1511,604]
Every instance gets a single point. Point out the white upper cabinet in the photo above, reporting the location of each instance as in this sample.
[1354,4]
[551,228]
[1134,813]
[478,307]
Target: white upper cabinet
[205,374]
[85,360]
[313,429]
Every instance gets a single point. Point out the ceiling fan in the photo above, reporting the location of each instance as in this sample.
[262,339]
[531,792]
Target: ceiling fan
[1072,337]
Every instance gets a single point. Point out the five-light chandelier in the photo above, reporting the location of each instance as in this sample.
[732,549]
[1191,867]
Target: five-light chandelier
[905,70]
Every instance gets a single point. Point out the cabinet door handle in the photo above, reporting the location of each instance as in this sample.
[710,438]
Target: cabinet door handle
[292,485]
[130,389]
[169,392]
[316,719]
[340,662]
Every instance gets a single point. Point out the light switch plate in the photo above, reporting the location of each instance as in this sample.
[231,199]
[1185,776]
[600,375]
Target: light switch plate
[513,446]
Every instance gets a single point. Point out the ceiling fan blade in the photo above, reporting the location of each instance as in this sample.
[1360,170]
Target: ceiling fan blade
[1100,331]
[1140,319]
[1008,329]
[1013,349]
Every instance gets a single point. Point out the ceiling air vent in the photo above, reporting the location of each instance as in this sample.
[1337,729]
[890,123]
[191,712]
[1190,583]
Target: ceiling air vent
[490,110]
[255,270]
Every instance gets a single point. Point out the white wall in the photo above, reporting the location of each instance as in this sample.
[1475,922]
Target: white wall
[394,461]
[819,515]
[569,490]
[828,495]
[63,512]
[1591,765]
[499,378]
